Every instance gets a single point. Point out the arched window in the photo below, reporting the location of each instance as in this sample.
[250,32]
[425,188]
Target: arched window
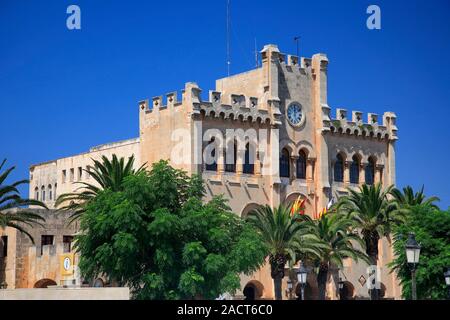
[36,193]
[339,169]
[354,170]
[50,192]
[211,166]
[249,166]
[43,193]
[55,194]
[370,171]
[284,164]
[301,165]
[230,150]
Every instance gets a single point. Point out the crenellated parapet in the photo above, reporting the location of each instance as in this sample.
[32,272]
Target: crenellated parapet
[354,125]
[232,106]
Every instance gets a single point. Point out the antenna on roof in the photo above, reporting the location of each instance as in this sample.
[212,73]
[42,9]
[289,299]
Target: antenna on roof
[256,55]
[228,36]
[297,39]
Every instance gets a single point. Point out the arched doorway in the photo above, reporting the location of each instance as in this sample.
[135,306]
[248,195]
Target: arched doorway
[347,291]
[44,283]
[249,208]
[253,290]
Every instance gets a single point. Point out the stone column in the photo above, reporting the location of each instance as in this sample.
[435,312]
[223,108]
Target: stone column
[362,172]
[309,169]
[220,160]
[378,171]
[293,167]
[240,154]
[257,164]
[347,172]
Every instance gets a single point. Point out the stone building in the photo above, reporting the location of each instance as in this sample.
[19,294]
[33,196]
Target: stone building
[277,115]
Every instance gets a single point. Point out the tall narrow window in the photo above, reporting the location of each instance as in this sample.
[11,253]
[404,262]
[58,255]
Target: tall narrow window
[249,166]
[50,192]
[55,194]
[4,246]
[211,164]
[284,164]
[339,169]
[36,193]
[301,165]
[80,173]
[72,173]
[43,193]
[64,176]
[354,170]
[230,152]
[67,243]
[46,240]
[370,171]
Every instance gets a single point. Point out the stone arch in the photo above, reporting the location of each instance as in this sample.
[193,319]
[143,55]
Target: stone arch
[248,208]
[99,283]
[253,290]
[307,148]
[44,283]
[288,145]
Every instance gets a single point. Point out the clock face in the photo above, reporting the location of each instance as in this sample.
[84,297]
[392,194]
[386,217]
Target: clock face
[294,114]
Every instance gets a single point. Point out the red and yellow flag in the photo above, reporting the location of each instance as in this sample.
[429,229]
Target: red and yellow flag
[298,206]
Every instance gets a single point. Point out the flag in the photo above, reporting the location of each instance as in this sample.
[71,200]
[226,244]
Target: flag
[298,206]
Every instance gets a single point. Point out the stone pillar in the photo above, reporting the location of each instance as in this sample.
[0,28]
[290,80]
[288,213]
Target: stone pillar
[378,173]
[240,154]
[220,160]
[347,172]
[293,167]
[362,172]
[257,164]
[309,169]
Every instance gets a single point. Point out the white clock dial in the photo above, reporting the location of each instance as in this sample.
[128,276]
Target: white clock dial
[294,114]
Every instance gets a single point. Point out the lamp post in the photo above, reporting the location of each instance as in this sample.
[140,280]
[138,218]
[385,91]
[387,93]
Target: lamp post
[447,281]
[341,287]
[301,277]
[289,287]
[412,256]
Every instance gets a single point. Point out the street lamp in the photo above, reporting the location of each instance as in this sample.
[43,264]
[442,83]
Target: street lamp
[412,256]
[447,280]
[289,287]
[301,278]
[341,287]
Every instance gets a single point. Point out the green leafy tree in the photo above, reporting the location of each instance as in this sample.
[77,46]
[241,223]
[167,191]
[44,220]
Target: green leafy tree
[432,229]
[408,198]
[335,232]
[108,174]
[374,214]
[285,237]
[10,199]
[157,236]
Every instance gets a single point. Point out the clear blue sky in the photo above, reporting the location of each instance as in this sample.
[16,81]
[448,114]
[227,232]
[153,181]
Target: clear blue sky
[63,91]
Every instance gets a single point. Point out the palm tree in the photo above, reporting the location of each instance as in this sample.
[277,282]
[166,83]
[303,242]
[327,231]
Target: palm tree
[10,199]
[334,231]
[374,214]
[285,237]
[109,174]
[408,198]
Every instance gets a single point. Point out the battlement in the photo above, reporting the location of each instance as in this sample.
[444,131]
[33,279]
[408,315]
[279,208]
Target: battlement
[356,126]
[232,106]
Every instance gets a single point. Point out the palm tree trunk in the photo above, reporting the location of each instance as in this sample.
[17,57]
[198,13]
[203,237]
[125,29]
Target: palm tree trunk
[371,239]
[322,278]
[277,264]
